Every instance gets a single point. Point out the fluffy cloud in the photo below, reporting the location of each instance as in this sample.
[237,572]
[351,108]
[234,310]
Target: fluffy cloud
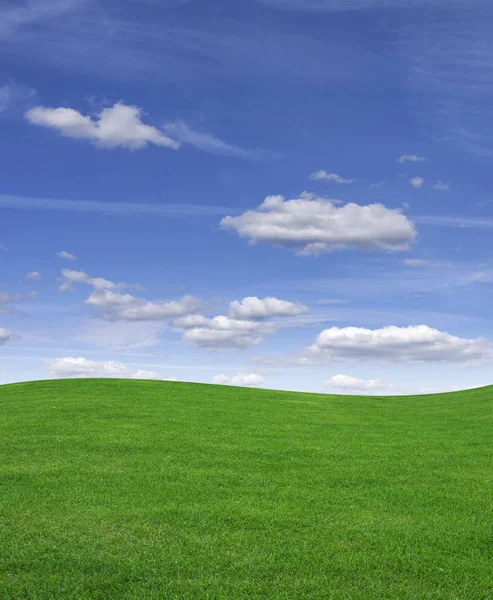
[241,379]
[82,367]
[5,336]
[222,332]
[261,308]
[414,344]
[66,255]
[443,187]
[416,182]
[311,225]
[345,382]
[120,125]
[33,275]
[324,176]
[115,305]
[410,158]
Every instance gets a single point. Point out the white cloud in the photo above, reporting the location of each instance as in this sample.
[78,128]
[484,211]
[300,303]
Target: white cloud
[416,182]
[414,344]
[346,382]
[82,367]
[114,305]
[222,332]
[324,176]
[120,125]
[443,187]
[311,225]
[417,262]
[66,255]
[241,379]
[261,308]
[410,158]
[33,275]
[5,335]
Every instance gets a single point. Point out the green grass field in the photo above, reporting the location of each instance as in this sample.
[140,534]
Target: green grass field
[116,489]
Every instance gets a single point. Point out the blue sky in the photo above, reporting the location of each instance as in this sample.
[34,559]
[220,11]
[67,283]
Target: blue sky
[295,194]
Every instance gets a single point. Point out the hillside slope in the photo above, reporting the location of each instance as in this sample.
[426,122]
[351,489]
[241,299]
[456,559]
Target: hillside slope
[146,489]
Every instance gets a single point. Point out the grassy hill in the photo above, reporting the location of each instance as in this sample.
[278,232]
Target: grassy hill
[116,489]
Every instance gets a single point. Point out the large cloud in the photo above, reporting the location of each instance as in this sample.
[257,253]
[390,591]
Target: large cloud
[241,379]
[70,366]
[311,225]
[119,125]
[261,308]
[415,344]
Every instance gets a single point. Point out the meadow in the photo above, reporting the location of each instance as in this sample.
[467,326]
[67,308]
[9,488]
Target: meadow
[125,489]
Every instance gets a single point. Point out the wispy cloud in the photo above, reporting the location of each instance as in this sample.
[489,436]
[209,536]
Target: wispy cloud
[184,134]
[410,158]
[12,95]
[451,74]
[322,175]
[446,221]
[443,187]
[113,208]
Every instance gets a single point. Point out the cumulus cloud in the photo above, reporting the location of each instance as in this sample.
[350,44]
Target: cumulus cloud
[410,158]
[413,344]
[222,332]
[261,308]
[70,366]
[346,382]
[33,275]
[118,126]
[443,187]
[112,304]
[322,175]
[66,255]
[241,379]
[311,225]
[416,182]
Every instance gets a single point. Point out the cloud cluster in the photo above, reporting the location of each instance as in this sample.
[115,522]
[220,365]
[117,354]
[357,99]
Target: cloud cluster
[324,176]
[311,225]
[241,379]
[414,344]
[348,383]
[82,367]
[245,325]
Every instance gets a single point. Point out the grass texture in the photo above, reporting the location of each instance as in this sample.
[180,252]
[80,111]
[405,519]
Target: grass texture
[121,489]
